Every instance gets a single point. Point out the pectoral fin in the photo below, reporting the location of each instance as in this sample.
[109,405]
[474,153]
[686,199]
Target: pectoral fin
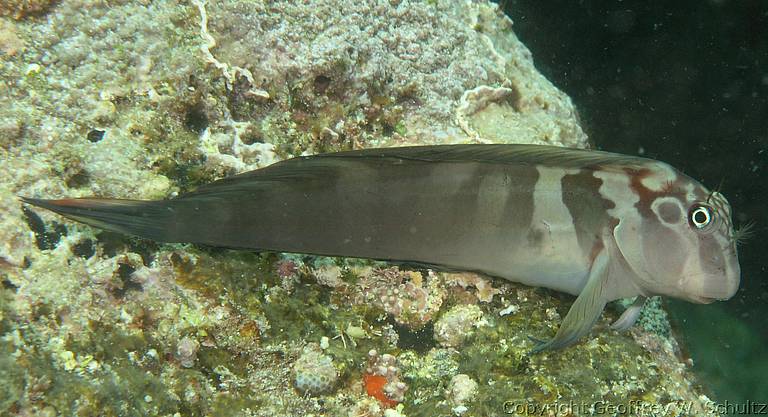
[585,310]
[630,315]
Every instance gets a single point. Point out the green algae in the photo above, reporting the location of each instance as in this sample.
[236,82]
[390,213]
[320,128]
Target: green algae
[101,393]
[222,406]
[303,313]
[213,272]
[11,380]
[495,355]
[110,388]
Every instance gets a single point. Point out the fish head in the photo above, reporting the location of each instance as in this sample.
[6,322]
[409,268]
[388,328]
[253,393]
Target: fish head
[679,239]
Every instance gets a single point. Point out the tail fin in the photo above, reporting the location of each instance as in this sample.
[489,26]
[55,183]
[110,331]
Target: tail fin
[147,219]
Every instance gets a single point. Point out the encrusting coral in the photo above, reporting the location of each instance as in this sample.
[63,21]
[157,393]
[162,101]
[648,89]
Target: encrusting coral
[19,9]
[314,372]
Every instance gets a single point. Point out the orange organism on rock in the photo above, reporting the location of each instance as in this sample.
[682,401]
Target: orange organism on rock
[374,386]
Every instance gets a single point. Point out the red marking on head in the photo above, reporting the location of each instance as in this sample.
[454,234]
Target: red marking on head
[374,386]
[636,183]
[646,195]
[669,187]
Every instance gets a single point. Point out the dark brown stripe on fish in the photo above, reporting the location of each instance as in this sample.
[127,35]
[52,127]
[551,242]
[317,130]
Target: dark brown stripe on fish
[588,208]
[518,208]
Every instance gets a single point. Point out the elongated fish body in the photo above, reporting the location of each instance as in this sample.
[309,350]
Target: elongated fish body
[598,225]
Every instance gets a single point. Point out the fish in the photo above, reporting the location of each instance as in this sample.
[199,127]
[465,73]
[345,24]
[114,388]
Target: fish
[598,225]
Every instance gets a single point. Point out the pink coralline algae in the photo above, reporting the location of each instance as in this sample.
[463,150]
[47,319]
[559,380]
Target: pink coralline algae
[286,268]
[382,379]
[484,291]
[409,298]
[457,324]
[186,351]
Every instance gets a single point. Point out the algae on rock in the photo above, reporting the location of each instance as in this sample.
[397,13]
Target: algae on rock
[129,99]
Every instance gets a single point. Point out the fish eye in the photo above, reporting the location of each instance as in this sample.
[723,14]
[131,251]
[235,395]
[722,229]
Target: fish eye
[700,216]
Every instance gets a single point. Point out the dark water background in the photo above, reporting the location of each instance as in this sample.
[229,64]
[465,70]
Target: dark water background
[685,82]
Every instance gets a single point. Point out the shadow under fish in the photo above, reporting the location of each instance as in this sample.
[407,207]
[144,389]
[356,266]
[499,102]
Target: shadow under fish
[598,225]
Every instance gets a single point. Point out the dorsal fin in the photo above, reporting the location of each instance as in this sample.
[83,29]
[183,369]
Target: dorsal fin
[501,153]
[324,165]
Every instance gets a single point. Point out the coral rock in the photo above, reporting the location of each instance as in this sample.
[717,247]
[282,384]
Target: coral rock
[453,327]
[314,372]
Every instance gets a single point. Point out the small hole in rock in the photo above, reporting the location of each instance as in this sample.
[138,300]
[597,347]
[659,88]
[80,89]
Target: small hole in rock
[112,243]
[95,135]
[252,135]
[8,285]
[145,248]
[43,239]
[59,230]
[124,272]
[34,221]
[79,180]
[196,120]
[419,340]
[321,84]
[387,129]
[250,140]
[84,249]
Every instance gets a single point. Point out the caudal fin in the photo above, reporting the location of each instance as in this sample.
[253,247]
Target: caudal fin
[147,219]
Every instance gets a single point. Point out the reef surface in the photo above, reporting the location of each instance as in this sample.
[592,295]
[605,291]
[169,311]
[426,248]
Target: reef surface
[146,99]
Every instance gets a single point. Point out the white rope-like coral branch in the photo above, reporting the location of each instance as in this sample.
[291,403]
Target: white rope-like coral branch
[230,72]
